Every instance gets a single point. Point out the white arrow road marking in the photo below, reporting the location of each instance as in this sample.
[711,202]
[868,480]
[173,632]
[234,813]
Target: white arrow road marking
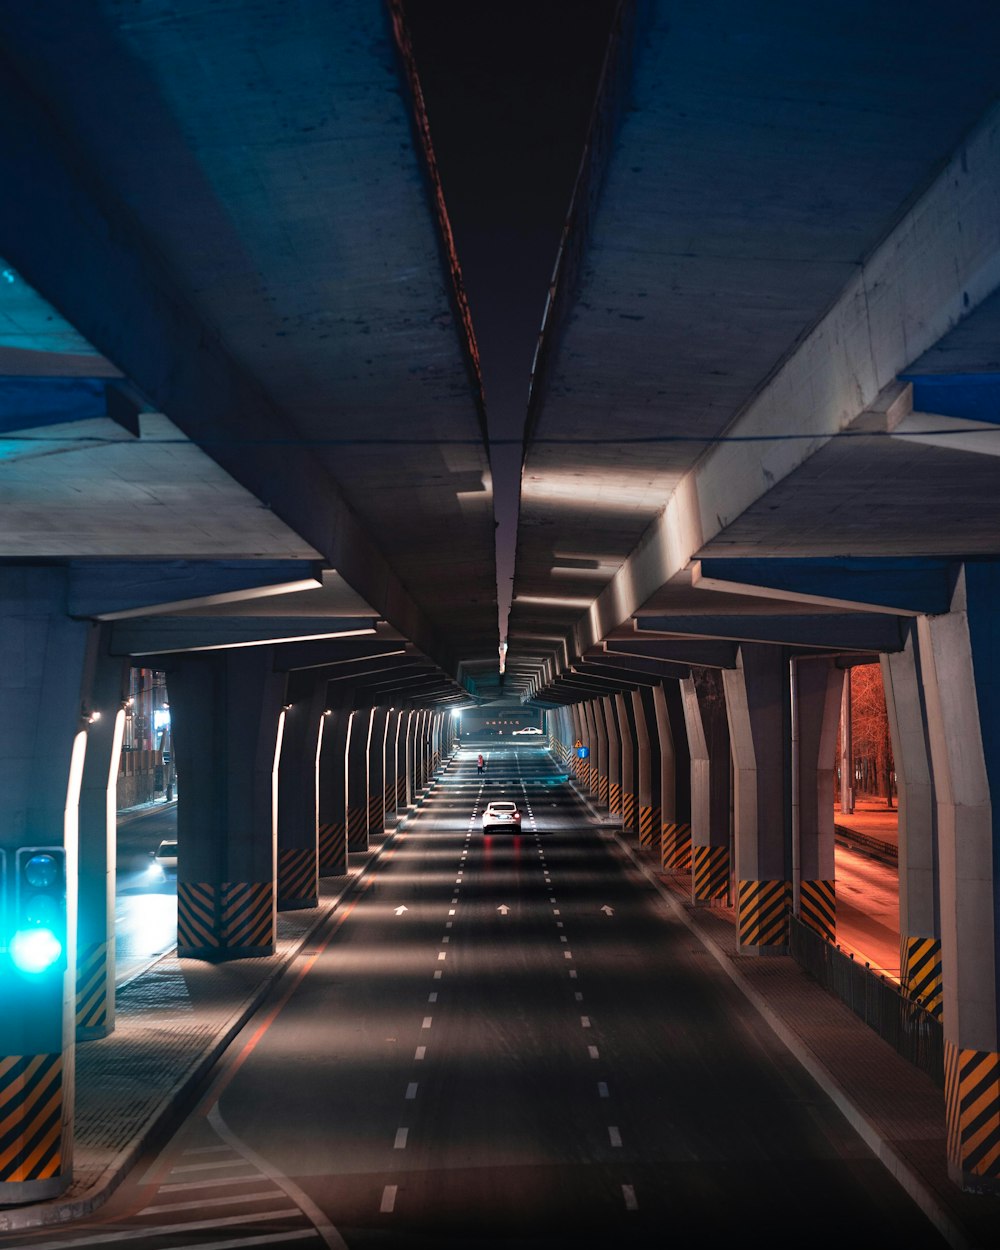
[400,910]
[503,909]
[608,911]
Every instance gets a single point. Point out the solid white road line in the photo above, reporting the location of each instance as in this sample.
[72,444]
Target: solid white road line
[203,1204]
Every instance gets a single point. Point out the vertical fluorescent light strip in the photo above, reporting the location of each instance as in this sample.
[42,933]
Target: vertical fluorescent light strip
[274,818]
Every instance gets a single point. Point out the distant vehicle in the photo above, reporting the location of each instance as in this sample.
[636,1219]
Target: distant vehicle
[165,857]
[501,814]
[528,729]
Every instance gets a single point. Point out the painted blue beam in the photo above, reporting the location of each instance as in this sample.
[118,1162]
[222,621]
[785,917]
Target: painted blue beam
[971,396]
[33,403]
[909,584]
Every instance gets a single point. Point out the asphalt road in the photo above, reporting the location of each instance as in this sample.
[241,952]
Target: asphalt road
[507,1040]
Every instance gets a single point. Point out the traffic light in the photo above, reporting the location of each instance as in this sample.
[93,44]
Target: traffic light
[38,938]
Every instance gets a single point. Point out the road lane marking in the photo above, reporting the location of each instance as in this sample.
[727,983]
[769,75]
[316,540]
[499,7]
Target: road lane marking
[411,1091]
[560,925]
[556,911]
[427,1022]
[388,1199]
[563,937]
[437,975]
[572,971]
[420,1052]
[449,923]
[400,1142]
[613,1133]
[203,1203]
[567,954]
[602,1089]
[578,996]
[442,955]
[628,1193]
[432,996]
[593,1052]
[585,1021]
[446,939]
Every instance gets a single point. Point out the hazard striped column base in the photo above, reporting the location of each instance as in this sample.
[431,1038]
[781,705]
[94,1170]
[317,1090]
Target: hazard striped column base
[920,975]
[357,829]
[376,815]
[602,790]
[298,879]
[31,1133]
[333,849]
[234,920]
[818,908]
[710,876]
[649,827]
[94,992]
[675,847]
[972,1111]
[614,797]
[763,909]
[628,810]
[389,802]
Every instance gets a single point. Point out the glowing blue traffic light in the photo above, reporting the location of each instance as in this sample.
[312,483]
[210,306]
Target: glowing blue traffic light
[38,943]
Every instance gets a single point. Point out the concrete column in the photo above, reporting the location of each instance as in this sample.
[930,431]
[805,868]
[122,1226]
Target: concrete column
[675,778]
[613,730]
[708,741]
[757,708]
[603,749]
[626,735]
[356,754]
[920,969]
[333,782]
[44,711]
[392,732]
[402,732]
[225,711]
[95,948]
[378,729]
[411,787]
[818,685]
[298,792]
[647,778]
[591,740]
[959,660]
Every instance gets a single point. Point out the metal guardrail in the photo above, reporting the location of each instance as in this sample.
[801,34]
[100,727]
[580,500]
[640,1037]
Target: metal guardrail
[904,1024]
[887,850]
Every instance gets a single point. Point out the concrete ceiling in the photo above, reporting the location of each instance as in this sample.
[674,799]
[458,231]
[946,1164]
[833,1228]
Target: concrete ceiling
[241,384]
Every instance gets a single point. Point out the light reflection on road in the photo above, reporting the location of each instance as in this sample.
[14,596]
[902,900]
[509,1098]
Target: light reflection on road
[145,929]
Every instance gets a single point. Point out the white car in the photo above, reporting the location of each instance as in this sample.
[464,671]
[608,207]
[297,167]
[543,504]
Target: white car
[528,729]
[501,814]
[165,857]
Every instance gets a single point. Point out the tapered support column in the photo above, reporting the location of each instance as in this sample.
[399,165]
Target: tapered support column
[626,734]
[613,730]
[333,784]
[44,699]
[298,793]
[225,710]
[95,961]
[647,778]
[603,764]
[392,777]
[708,741]
[757,707]
[920,970]
[590,763]
[378,730]
[676,778]
[358,732]
[818,687]
[959,660]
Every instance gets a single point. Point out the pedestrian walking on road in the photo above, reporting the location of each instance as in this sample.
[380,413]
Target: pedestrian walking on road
[479,764]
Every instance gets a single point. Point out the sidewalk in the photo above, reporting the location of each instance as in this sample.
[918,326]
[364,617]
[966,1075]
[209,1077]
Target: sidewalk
[897,1110]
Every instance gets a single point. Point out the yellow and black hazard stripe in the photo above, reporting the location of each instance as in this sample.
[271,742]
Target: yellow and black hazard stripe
[920,974]
[602,789]
[710,879]
[972,1108]
[818,908]
[649,823]
[333,849]
[763,909]
[628,809]
[298,884]
[357,828]
[31,1113]
[376,813]
[248,915]
[92,987]
[614,796]
[197,918]
[675,847]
